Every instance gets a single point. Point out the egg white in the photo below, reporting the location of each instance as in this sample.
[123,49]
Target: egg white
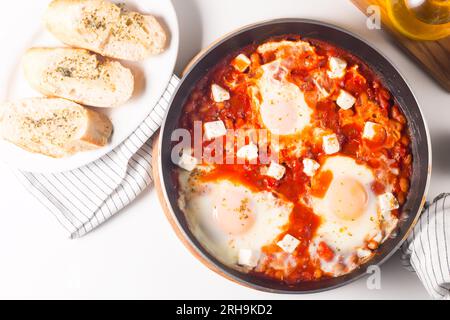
[199,200]
[282,108]
[345,236]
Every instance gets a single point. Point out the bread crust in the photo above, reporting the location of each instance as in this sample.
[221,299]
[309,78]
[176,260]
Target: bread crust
[105,28]
[78,75]
[91,129]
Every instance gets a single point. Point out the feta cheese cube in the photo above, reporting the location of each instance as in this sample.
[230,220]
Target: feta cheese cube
[276,171]
[241,62]
[288,243]
[215,129]
[248,152]
[373,131]
[248,258]
[345,100]
[369,130]
[330,144]
[219,94]
[387,202]
[310,167]
[337,68]
[187,162]
[363,253]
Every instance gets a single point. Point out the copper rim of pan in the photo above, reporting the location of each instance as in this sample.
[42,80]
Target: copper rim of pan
[392,79]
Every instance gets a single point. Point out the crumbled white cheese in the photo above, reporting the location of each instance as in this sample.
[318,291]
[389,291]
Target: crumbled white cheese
[387,202]
[215,129]
[248,258]
[219,94]
[345,100]
[310,167]
[363,253]
[330,144]
[369,130]
[187,162]
[248,152]
[276,171]
[241,62]
[288,243]
[337,68]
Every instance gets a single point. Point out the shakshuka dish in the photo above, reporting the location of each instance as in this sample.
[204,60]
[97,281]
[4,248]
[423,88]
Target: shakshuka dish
[302,164]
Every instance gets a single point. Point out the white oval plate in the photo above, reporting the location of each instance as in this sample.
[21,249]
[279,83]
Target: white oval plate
[152,77]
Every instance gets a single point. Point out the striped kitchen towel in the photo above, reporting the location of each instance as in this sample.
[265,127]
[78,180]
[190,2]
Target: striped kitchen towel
[84,198]
[427,250]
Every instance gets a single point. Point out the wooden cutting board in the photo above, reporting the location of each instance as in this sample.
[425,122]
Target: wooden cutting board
[434,56]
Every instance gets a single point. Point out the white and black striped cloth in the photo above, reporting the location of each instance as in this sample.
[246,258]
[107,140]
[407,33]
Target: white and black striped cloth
[84,198]
[427,250]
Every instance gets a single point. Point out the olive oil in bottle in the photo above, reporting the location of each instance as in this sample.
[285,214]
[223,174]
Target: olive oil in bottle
[420,19]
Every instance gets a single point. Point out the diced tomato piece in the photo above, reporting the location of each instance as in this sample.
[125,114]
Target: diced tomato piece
[325,252]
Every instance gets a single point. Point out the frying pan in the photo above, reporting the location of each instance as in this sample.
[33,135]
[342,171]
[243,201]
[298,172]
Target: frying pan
[421,147]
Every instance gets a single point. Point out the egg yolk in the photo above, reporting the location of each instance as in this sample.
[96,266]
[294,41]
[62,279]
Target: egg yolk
[233,212]
[283,108]
[280,117]
[348,198]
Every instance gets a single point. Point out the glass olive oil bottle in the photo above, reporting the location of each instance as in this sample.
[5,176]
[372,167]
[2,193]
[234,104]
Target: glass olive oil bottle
[420,19]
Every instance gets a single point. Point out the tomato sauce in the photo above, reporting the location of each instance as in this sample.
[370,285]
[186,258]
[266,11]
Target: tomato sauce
[389,156]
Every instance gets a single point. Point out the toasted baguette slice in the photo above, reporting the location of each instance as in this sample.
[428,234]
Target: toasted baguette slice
[105,28]
[53,127]
[78,75]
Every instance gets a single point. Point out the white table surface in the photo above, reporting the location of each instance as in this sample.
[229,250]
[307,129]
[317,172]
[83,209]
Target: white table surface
[136,254]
